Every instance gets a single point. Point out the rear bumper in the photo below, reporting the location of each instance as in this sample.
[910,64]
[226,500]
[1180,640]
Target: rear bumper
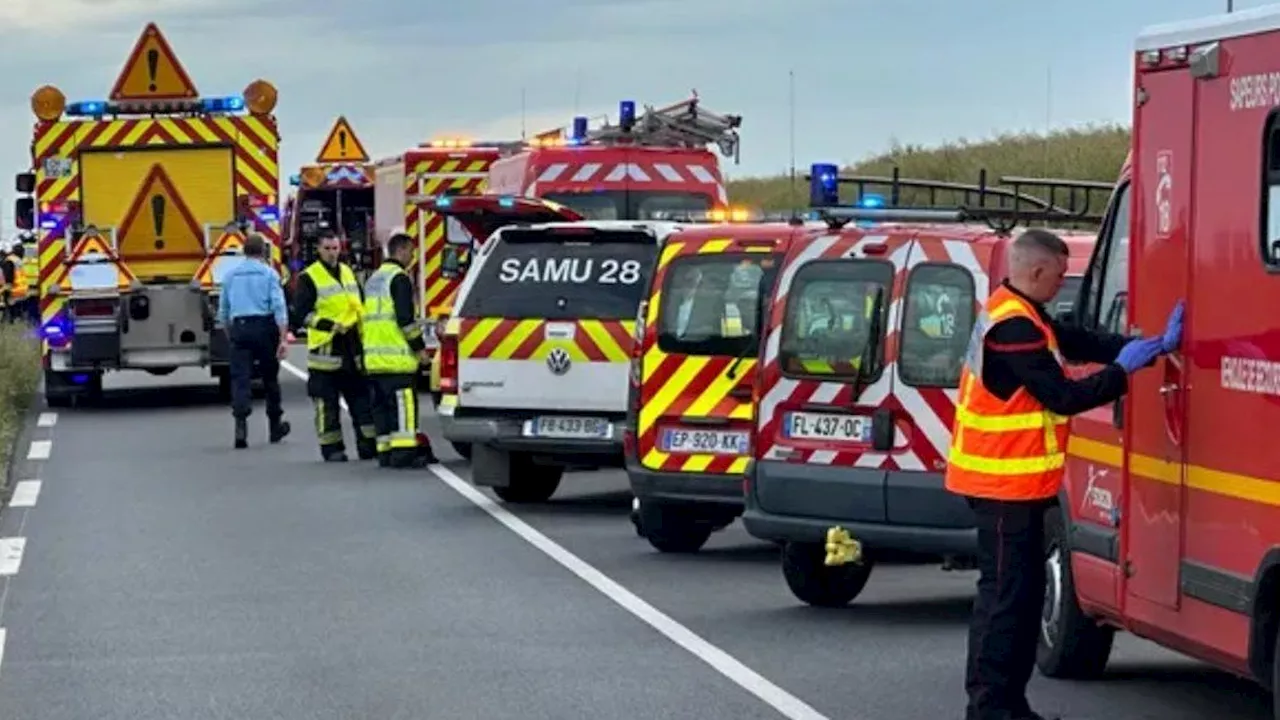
[506,432]
[685,488]
[895,510]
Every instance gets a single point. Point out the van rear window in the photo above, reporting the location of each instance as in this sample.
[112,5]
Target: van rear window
[582,276]
[710,303]
[828,321]
[937,321]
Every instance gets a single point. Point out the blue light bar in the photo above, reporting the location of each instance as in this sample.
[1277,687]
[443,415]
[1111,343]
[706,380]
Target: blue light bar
[627,113]
[579,127]
[871,200]
[443,201]
[230,103]
[506,201]
[824,185]
[87,108]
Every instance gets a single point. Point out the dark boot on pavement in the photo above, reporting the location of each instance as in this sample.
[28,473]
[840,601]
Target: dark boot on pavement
[279,430]
[242,433]
[366,451]
[338,456]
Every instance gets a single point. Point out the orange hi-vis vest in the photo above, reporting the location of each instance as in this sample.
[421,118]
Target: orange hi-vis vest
[1011,449]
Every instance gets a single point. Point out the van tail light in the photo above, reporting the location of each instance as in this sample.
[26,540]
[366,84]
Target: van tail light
[98,308]
[447,356]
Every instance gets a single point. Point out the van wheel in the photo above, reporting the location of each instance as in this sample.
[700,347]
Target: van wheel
[815,583]
[530,483]
[672,529]
[1071,644]
[462,448]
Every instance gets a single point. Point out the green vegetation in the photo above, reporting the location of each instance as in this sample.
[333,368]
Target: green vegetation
[19,375]
[1089,153]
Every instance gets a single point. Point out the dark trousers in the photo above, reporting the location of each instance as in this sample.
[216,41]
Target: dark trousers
[1006,614]
[327,388]
[254,341]
[395,416]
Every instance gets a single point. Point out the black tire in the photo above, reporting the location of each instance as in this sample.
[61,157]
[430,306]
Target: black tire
[462,448]
[817,584]
[671,528]
[57,399]
[1071,644]
[530,483]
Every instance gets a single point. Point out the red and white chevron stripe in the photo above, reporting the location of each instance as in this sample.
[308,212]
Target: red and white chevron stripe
[656,173]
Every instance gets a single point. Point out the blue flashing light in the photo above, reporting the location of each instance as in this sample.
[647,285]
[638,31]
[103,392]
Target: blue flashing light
[87,108]
[80,378]
[269,214]
[871,200]
[627,114]
[57,332]
[579,127]
[295,179]
[230,103]
[506,201]
[824,185]
[443,201]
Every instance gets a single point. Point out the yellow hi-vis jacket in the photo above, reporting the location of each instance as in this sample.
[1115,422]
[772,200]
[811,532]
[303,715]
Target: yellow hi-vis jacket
[386,345]
[339,304]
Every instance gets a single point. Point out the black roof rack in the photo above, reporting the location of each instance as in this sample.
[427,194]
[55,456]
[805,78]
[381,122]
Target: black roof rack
[1012,201]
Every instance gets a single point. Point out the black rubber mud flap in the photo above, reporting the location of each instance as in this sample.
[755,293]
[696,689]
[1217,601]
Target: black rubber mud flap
[490,467]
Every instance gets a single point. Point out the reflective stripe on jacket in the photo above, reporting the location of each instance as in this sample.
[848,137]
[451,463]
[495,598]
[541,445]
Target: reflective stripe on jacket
[1011,449]
[337,302]
[386,350]
[31,271]
[18,290]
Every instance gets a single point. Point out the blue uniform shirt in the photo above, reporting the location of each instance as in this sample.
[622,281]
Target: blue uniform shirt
[252,288]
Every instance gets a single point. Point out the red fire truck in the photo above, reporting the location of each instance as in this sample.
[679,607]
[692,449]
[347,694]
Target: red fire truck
[1168,526]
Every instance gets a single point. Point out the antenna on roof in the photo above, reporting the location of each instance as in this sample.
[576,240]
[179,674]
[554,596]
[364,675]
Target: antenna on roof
[791,104]
[523,113]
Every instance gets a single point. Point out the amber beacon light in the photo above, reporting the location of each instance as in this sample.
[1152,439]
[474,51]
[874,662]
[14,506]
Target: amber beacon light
[260,97]
[48,102]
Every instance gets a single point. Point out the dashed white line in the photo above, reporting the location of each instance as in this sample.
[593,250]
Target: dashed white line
[722,662]
[2,639]
[11,555]
[47,419]
[25,494]
[40,450]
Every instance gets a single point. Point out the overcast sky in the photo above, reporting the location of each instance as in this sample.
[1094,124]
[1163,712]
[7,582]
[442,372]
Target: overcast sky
[867,71]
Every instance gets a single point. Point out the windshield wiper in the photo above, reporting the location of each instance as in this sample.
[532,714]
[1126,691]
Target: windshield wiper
[732,372]
[872,348]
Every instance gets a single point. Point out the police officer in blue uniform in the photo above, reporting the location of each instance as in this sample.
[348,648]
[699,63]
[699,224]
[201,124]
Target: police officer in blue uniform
[252,309]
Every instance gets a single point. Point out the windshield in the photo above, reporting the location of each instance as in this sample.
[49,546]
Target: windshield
[633,204]
[710,303]
[1065,300]
[591,277]
[828,319]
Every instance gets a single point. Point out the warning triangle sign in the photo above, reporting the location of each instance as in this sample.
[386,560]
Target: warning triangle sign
[153,72]
[226,253]
[342,145]
[159,224]
[94,266]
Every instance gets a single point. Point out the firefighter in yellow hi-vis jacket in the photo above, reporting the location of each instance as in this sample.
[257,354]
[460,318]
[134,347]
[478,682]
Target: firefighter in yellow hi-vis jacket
[329,305]
[393,349]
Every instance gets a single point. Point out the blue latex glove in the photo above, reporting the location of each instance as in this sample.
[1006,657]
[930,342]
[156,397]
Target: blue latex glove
[1173,329]
[1137,354]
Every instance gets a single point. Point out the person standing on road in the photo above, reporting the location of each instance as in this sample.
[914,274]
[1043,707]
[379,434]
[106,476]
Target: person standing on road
[1008,452]
[393,349]
[14,288]
[252,309]
[328,303]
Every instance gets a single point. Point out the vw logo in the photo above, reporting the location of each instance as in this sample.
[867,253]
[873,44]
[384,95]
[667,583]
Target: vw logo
[558,361]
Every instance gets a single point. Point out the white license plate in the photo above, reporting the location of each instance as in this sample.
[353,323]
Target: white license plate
[569,427]
[827,426]
[710,442]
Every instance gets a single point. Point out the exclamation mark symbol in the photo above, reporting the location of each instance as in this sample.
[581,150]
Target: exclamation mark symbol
[157,218]
[153,64]
[342,143]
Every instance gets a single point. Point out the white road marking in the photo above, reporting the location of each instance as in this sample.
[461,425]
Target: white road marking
[11,554]
[40,450]
[722,662]
[25,494]
[2,638]
[47,419]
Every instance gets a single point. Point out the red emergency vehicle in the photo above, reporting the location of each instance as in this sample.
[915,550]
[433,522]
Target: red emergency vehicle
[1168,526]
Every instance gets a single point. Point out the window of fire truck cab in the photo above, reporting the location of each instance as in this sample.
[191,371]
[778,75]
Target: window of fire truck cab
[937,320]
[1104,298]
[827,325]
[632,204]
[709,303]
[1270,220]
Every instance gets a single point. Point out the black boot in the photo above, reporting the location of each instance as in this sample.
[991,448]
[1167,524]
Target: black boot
[279,429]
[333,454]
[242,433]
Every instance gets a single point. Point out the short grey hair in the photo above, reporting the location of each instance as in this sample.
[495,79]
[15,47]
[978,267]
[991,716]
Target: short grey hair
[1036,243]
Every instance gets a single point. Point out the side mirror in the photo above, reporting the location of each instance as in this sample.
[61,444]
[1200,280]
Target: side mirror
[25,183]
[24,213]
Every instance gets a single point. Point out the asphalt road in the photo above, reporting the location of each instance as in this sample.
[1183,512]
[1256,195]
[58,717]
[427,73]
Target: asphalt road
[165,575]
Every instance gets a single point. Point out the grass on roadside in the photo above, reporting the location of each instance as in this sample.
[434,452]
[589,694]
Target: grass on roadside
[1089,153]
[19,376]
